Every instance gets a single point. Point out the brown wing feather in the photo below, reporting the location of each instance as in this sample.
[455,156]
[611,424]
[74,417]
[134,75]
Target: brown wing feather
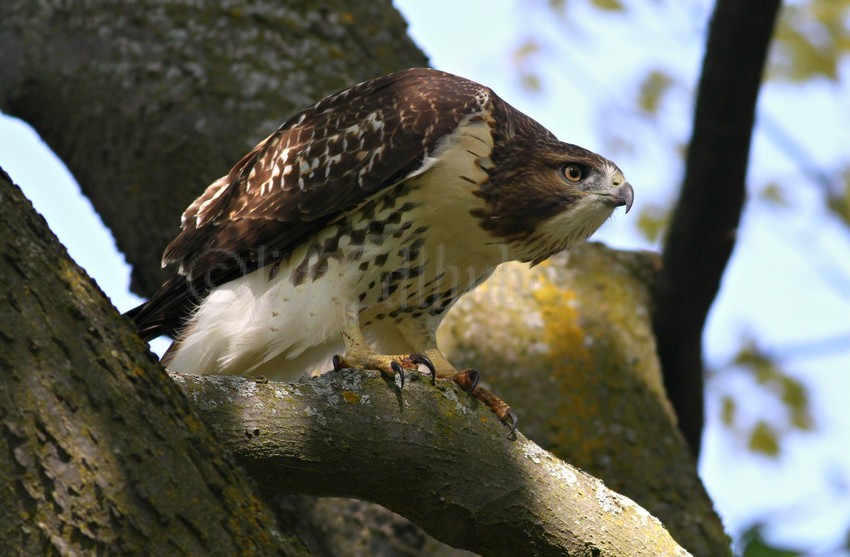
[321,162]
[315,167]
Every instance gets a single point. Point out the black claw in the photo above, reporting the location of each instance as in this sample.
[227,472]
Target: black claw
[396,367]
[337,362]
[420,359]
[514,420]
[474,376]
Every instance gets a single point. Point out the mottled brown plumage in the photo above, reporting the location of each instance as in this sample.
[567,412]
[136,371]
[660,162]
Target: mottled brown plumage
[363,218]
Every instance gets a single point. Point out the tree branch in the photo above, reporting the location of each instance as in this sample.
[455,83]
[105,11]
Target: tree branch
[427,453]
[703,228]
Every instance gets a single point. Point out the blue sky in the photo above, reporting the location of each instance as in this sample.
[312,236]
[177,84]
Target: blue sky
[774,290]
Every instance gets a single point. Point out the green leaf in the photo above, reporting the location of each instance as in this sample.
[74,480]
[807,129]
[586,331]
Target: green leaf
[728,410]
[755,546]
[526,49]
[773,193]
[530,82]
[652,221]
[764,440]
[757,362]
[652,91]
[608,5]
[796,398]
[838,203]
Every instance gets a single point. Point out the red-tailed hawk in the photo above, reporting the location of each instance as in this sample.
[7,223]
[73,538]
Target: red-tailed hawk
[355,226]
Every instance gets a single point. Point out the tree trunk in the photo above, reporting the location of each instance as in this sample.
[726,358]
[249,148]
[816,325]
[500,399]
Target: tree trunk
[702,231]
[100,451]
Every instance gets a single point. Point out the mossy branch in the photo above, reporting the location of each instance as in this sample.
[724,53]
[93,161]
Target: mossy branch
[428,453]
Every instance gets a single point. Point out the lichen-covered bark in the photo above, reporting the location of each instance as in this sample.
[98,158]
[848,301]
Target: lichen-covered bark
[569,345]
[428,453]
[99,451]
[149,103]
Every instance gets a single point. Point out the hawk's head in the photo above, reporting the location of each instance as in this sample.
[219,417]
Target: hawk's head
[544,196]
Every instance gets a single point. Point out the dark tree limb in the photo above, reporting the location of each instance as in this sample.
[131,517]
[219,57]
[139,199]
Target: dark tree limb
[704,224]
[426,452]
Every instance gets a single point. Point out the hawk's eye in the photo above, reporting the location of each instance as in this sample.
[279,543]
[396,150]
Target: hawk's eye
[573,172]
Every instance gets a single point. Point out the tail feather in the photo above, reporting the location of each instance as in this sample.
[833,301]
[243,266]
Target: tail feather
[166,311]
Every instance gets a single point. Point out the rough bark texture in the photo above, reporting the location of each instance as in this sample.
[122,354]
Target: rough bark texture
[703,228]
[149,103]
[99,451]
[569,345]
[428,453]
[334,527]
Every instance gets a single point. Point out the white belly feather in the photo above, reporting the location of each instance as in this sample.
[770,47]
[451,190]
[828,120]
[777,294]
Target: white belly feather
[251,321]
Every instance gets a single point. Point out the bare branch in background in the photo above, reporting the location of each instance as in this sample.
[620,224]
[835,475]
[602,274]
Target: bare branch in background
[703,228]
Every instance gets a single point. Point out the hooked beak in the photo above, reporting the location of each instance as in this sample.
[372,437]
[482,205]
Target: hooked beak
[625,195]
